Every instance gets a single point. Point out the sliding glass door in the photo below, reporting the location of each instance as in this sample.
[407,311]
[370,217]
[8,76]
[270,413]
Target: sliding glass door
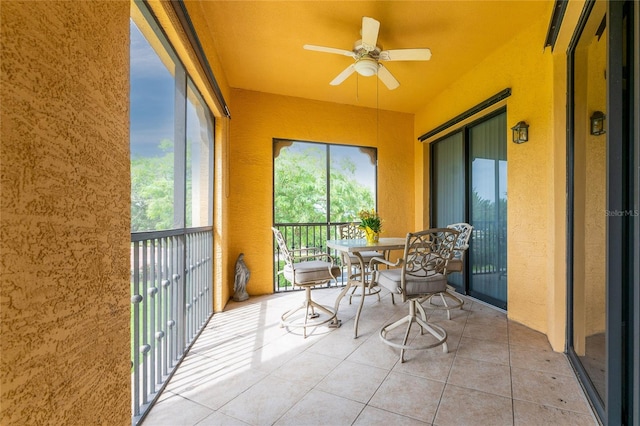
[469,184]
[448,188]
[488,210]
[603,342]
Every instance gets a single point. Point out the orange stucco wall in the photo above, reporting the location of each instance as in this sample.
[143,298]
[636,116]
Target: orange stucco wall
[522,65]
[64,213]
[258,118]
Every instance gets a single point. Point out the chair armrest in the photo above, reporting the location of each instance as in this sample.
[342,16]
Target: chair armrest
[385,261]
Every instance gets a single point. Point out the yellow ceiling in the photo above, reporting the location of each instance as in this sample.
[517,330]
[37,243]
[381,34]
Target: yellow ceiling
[259,44]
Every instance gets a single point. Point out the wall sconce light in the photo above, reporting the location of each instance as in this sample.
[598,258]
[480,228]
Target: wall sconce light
[597,123]
[520,132]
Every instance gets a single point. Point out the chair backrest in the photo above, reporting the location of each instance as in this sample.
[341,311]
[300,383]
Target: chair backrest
[284,250]
[462,243]
[350,231]
[427,253]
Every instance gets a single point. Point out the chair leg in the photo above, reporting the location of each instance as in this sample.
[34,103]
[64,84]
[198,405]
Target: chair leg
[366,290]
[423,314]
[404,341]
[370,287]
[438,332]
[310,307]
[457,302]
[444,302]
[353,290]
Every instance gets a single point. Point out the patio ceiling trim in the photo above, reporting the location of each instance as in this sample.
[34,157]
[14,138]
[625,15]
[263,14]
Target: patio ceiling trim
[554,24]
[183,16]
[468,113]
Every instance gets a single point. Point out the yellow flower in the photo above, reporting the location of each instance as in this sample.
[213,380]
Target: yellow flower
[369,218]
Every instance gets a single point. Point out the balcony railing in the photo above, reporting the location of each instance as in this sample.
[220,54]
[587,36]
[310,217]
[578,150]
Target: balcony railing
[489,247]
[305,235]
[171,301]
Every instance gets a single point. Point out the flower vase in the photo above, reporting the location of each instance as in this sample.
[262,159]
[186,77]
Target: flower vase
[371,235]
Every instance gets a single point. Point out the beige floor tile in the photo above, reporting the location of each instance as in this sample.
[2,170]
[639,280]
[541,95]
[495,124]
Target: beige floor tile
[540,360]
[372,416]
[281,351]
[319,408]
[375,353]
[338,344]
[527,413]
[430,364]
[353,381]
[479,307]
[245,369]
[266,401]
[409,396]
[176,411]
[483,350]
[235,350]
[454,325]
[496,332]
[460,406]
[308,367]
[524,336]
[548,389]
[214,392]
[482,376]
[219,419]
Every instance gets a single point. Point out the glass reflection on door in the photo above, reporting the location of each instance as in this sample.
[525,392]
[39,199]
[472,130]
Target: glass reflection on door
[589,201]
[448,189]
[488,211]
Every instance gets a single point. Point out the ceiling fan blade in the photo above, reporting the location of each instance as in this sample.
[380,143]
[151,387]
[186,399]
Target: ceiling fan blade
[329,50]
[343,75]
[387,78]
[405,55]
[370,28]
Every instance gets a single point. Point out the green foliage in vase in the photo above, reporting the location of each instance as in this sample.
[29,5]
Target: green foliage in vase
[370,219]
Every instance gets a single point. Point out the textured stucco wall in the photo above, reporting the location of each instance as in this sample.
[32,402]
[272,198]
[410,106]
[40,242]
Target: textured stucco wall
[260,117]
[523,66]
[64,213]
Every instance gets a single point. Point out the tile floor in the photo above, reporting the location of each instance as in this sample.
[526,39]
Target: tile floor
[246,370]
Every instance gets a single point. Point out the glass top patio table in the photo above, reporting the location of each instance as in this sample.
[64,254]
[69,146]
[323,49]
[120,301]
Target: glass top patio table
[355,247]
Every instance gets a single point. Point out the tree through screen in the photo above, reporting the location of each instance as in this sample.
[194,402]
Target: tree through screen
[320,183]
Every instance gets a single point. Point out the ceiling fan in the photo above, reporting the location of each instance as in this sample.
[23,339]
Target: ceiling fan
[368,55]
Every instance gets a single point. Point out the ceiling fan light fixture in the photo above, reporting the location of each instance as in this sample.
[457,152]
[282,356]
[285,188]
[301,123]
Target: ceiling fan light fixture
[366,66]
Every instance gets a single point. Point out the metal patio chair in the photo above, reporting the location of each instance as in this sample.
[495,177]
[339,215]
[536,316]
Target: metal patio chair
[456,265]
[422,272]
[304,268]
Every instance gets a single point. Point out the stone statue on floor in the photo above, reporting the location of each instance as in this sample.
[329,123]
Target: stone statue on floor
[241,279]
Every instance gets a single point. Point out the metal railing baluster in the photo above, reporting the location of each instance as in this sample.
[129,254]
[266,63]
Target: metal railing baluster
[135,300]
[170,270]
